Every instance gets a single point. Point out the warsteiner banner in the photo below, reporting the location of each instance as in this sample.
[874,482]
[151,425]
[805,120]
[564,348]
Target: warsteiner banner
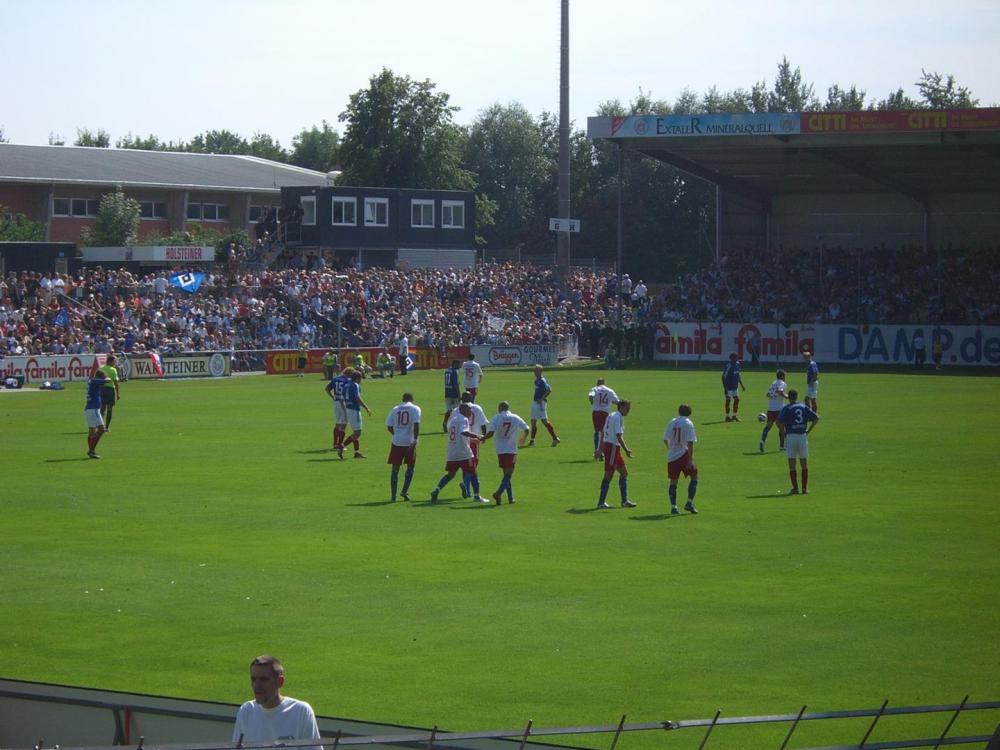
[183,365]
[845,344]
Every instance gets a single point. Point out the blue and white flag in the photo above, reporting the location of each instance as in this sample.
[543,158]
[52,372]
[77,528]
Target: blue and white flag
[409,363]
[189,282]
[61,319]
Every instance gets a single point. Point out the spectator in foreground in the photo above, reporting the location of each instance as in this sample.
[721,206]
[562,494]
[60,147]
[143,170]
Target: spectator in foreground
[271,716]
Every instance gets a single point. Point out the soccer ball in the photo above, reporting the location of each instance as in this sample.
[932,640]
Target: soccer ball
[762,417]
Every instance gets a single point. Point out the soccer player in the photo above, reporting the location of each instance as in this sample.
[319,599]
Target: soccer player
[452,394]
[477,423]
[509,430]
[109,393]
[403,424]
[92,412]
[336,389]
[812,380]
[679,438]
[354,404]
[775,401]
[613,447]
[272,717]
[540,408]
[473,374]
[798,420]
[731,383]
[601,398]
[459,454]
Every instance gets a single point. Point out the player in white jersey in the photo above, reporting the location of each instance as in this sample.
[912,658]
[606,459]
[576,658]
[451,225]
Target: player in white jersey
[510,431]
[601,398]
[473,375]
[776,397]
[459,454]
[613,446]
[477,423]
[403,424]
[679,438]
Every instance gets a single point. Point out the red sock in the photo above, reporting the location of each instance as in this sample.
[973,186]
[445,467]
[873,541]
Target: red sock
[338,436]
[90,443]
[805,477]
[795,481]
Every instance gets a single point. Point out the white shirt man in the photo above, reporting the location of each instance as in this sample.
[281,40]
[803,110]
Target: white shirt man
[404,424]
[458,441]
[506,428]
[472,373]
[272,717]
[776,397]
[402,419]
[601,398]
[679,438]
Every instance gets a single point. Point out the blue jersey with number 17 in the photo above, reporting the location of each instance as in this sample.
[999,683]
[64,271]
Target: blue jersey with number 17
[451,383]
[796,418]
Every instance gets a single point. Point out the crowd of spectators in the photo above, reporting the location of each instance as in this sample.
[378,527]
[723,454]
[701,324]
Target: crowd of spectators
[241,308]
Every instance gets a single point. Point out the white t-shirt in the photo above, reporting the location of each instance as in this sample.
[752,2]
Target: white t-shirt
[603,398]
[614,427]
[458,444]
[401,419]
[289,720]
[775,401]
[678,434]
[472,373]
[507,427]
[478,419]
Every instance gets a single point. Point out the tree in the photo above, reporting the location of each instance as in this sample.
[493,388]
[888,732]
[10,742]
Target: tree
[85,137]
[399,133]
[941,92]
[56,140]
[506,154]
[316,148]
[264,146]
[486,213]
[218,142]
[789,94]
[19,228]
[898,100]
[839,100]
[149,143]
[117,222]
[3,137]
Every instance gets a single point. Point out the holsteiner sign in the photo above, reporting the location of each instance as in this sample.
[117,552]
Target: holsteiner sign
[871,345]
[165,254]
[517,354]
[41,367]
[183,365]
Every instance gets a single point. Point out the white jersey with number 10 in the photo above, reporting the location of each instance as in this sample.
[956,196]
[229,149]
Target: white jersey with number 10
[401,419]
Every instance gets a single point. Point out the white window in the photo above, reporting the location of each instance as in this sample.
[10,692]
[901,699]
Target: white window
[345,212]
[60,207]
[152,209]
[376,212]
[422,213]
[208,211]
[453,214]
[78,206]
[308,203]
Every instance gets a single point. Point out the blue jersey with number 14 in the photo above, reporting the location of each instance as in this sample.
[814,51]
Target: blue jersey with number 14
[796,418]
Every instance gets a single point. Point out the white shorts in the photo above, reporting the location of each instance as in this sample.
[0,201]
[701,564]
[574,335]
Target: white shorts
[94,418]
[354,419]
[733,393]
[796,446]
[339,413]
[811,389]
[451,403]
[540,410]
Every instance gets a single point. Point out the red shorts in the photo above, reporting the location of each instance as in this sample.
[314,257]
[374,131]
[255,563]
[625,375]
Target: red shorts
[772,416]
[680,466]
[506,460]
[466,465]
[613,459]
[474,447]
[599,418]
[399,454]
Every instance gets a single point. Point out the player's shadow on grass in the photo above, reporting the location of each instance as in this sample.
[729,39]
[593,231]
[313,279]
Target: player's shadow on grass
[718,421]
[320,450]
[772,496]
[82,432]
[580,461]
[373,504]
[324,460]
[580,511]
[64,460]
[655,517]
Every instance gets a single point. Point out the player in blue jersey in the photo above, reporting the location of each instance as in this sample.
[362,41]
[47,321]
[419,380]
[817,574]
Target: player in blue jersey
[731,383]
[798,421]
[336,389]
[812,381]
[452,392]
[92,412]
[354,404]
[540,408]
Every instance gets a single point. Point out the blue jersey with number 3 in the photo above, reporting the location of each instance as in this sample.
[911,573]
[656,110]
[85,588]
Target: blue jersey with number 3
[796,418]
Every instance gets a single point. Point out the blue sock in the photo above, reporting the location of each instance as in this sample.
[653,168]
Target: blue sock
[623,487]
[763,435]
[444,480]
[597,441]
[605,483]
[673,494]
[474,482]
[510,487]
[407,478]
[692,488]
[393,480]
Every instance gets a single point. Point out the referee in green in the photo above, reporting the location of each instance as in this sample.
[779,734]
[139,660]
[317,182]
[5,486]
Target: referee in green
[109,393]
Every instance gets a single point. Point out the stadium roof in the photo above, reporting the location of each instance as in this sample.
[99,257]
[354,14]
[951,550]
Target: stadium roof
[913,153]
[80,165]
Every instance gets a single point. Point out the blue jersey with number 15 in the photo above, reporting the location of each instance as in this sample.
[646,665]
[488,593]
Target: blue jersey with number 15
[339,387]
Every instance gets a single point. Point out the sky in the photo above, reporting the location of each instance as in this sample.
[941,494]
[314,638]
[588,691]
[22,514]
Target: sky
[179,68]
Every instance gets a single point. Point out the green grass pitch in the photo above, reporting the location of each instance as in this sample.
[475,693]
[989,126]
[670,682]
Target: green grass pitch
[217,526]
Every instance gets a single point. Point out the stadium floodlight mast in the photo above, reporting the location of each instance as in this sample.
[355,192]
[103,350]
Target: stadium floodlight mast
[340,308]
